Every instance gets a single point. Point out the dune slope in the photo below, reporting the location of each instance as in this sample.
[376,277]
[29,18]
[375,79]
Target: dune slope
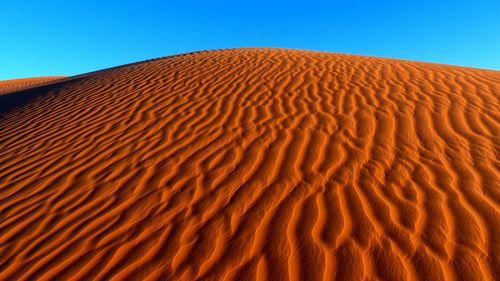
[7,86]
[254,164]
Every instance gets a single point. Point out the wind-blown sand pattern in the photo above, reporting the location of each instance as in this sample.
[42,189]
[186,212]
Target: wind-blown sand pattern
[254,164]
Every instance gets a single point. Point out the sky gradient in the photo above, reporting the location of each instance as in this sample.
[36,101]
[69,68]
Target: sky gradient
[55,37]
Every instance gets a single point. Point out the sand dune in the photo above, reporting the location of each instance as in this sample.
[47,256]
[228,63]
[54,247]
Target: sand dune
[254,164]
[7,86]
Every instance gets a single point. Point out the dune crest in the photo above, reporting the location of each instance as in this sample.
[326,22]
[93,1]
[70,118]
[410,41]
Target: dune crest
[254,164]
[8,86]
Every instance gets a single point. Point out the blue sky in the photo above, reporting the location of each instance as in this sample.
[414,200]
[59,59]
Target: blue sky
[71,37]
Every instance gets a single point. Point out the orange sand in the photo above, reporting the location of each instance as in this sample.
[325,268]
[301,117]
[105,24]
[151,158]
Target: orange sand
[7,86]
[254,164]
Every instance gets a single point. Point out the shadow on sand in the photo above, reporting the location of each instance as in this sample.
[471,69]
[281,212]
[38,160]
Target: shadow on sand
[21,97]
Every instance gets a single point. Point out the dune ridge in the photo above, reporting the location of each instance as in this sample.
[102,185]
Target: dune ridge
[8,86]
[255,164]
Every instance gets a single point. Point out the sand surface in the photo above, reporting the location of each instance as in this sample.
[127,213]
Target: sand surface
[254,164]
[7,86]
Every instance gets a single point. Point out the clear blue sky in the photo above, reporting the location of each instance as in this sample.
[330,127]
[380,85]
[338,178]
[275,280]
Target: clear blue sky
[56,37]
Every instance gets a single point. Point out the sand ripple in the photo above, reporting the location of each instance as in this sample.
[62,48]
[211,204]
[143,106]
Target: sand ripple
[254,164]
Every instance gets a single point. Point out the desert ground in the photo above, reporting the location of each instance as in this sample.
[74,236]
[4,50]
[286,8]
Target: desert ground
[9,86]
[252,164]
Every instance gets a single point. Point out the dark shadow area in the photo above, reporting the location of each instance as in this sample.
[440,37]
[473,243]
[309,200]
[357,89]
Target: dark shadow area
[21,97]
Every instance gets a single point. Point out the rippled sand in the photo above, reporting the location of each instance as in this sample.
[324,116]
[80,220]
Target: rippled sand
[253,164]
